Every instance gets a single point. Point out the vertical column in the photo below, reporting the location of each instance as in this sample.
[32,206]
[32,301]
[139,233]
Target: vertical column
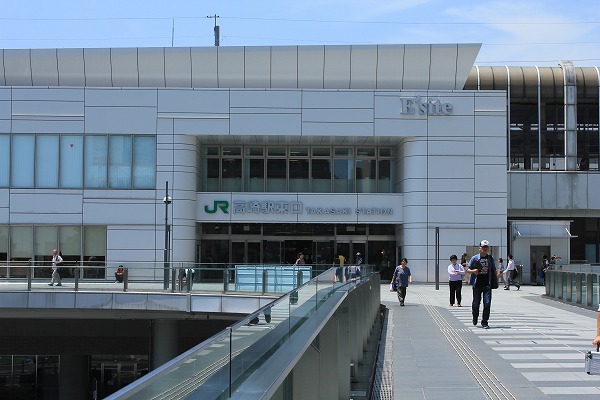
[165,341]
[306,375]
[329,360]
[73,376]
[570,83]
[342,315]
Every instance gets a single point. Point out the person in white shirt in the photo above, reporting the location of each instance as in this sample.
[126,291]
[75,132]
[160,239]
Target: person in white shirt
[56,261]
[509,274]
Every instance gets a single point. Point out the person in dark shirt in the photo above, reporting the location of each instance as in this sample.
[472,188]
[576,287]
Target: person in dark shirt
[483,267]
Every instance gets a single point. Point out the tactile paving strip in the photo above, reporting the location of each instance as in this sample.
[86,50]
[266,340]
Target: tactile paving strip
[383,383]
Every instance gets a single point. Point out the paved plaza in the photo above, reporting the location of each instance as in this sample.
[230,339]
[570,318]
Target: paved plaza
[534,348]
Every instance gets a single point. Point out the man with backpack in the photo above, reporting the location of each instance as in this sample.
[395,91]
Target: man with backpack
[511,274]
[482,266]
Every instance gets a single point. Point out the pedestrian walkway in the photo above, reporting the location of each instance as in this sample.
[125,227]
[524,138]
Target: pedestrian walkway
[534,348]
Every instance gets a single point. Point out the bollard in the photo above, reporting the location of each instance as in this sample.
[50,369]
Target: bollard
[589,290]
[578,288]
[125,279]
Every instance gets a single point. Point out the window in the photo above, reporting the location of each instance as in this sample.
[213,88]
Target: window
[276,175]
[144,161]
[46,161]
[4,160]
[22,161]
[71,161]
[96,162]
[119,162]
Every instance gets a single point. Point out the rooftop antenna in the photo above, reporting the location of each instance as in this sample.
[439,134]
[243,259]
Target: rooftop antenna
[216,29]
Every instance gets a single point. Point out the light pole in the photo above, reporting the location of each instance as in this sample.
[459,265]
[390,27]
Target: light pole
[167,200]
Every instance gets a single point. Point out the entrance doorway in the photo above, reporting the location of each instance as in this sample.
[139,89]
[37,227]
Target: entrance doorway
[536,255]
[293,247]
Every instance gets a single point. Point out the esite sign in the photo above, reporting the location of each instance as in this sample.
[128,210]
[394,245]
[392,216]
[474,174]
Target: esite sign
[416,105]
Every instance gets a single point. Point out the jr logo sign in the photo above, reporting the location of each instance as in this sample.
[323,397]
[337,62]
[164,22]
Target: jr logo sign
[223,205]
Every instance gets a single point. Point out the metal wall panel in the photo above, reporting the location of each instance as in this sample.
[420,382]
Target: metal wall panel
[265,124]
[178,67]
[284,67]
[47,126]
[124,64]
[267,99]
[71,68]
[46,94]
[17,67]
[416,66]
[45,108]
[390,66]
[113,97]
[151,66]
[442,74]
[230,67]
[363,67]
[204,67]
[334,99]
[2,80]
[193,101]
[97,67]
[257,67]
[311,60]
[337,67]
[467,53]
[44,67]
[120,120]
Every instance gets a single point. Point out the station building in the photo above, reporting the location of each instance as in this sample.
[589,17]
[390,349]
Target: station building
[390,151]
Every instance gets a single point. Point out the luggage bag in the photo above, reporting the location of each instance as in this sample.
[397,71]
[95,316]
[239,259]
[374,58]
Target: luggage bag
[592,362]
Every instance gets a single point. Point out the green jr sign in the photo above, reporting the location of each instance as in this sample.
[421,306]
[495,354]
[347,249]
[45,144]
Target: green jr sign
[218,204]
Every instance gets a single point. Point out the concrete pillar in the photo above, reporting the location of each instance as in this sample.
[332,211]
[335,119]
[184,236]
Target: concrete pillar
[73,378]
[306,375]
[329,360]
[165,341]
[343,368]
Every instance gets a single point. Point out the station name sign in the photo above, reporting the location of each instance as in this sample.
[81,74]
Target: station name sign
[417,105]
[288,207]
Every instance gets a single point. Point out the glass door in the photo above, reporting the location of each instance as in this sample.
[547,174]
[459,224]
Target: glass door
[273,252]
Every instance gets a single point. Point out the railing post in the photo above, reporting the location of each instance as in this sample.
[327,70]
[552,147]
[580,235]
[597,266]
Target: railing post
[226,280]
[125,279]
[569,284]
[578,288]
[173,278]
[76,273]
[550,276]
[589,289]
[29,274]
[265,281]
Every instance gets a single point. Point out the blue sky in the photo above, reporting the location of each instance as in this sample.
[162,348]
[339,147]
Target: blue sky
[525,32]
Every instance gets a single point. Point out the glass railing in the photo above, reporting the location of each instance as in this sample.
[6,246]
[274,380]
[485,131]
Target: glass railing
[580,287]
[218,366]
[175,277]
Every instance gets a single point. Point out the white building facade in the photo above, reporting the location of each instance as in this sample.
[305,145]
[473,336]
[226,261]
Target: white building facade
[267,151]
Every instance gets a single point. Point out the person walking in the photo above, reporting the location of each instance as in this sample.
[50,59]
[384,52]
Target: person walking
[483,267]
[510,274]
[464,261]
[402,277]
[56,262]
[501,268]
[456,272]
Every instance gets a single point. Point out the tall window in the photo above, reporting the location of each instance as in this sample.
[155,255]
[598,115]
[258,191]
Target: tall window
[71,161]
[46,161]
[22,161]
[95,161]
[4,160]
[144,161]
[119,162]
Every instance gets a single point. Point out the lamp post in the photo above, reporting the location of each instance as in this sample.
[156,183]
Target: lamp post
[167,200]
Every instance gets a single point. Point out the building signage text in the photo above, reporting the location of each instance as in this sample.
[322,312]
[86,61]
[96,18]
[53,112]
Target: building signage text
[417,105]
[290,207]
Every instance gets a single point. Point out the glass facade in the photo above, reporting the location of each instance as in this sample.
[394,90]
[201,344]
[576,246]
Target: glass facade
[24,246]
[77,161]
[307,169]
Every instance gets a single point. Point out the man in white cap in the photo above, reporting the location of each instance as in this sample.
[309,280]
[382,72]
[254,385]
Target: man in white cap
[483,267]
